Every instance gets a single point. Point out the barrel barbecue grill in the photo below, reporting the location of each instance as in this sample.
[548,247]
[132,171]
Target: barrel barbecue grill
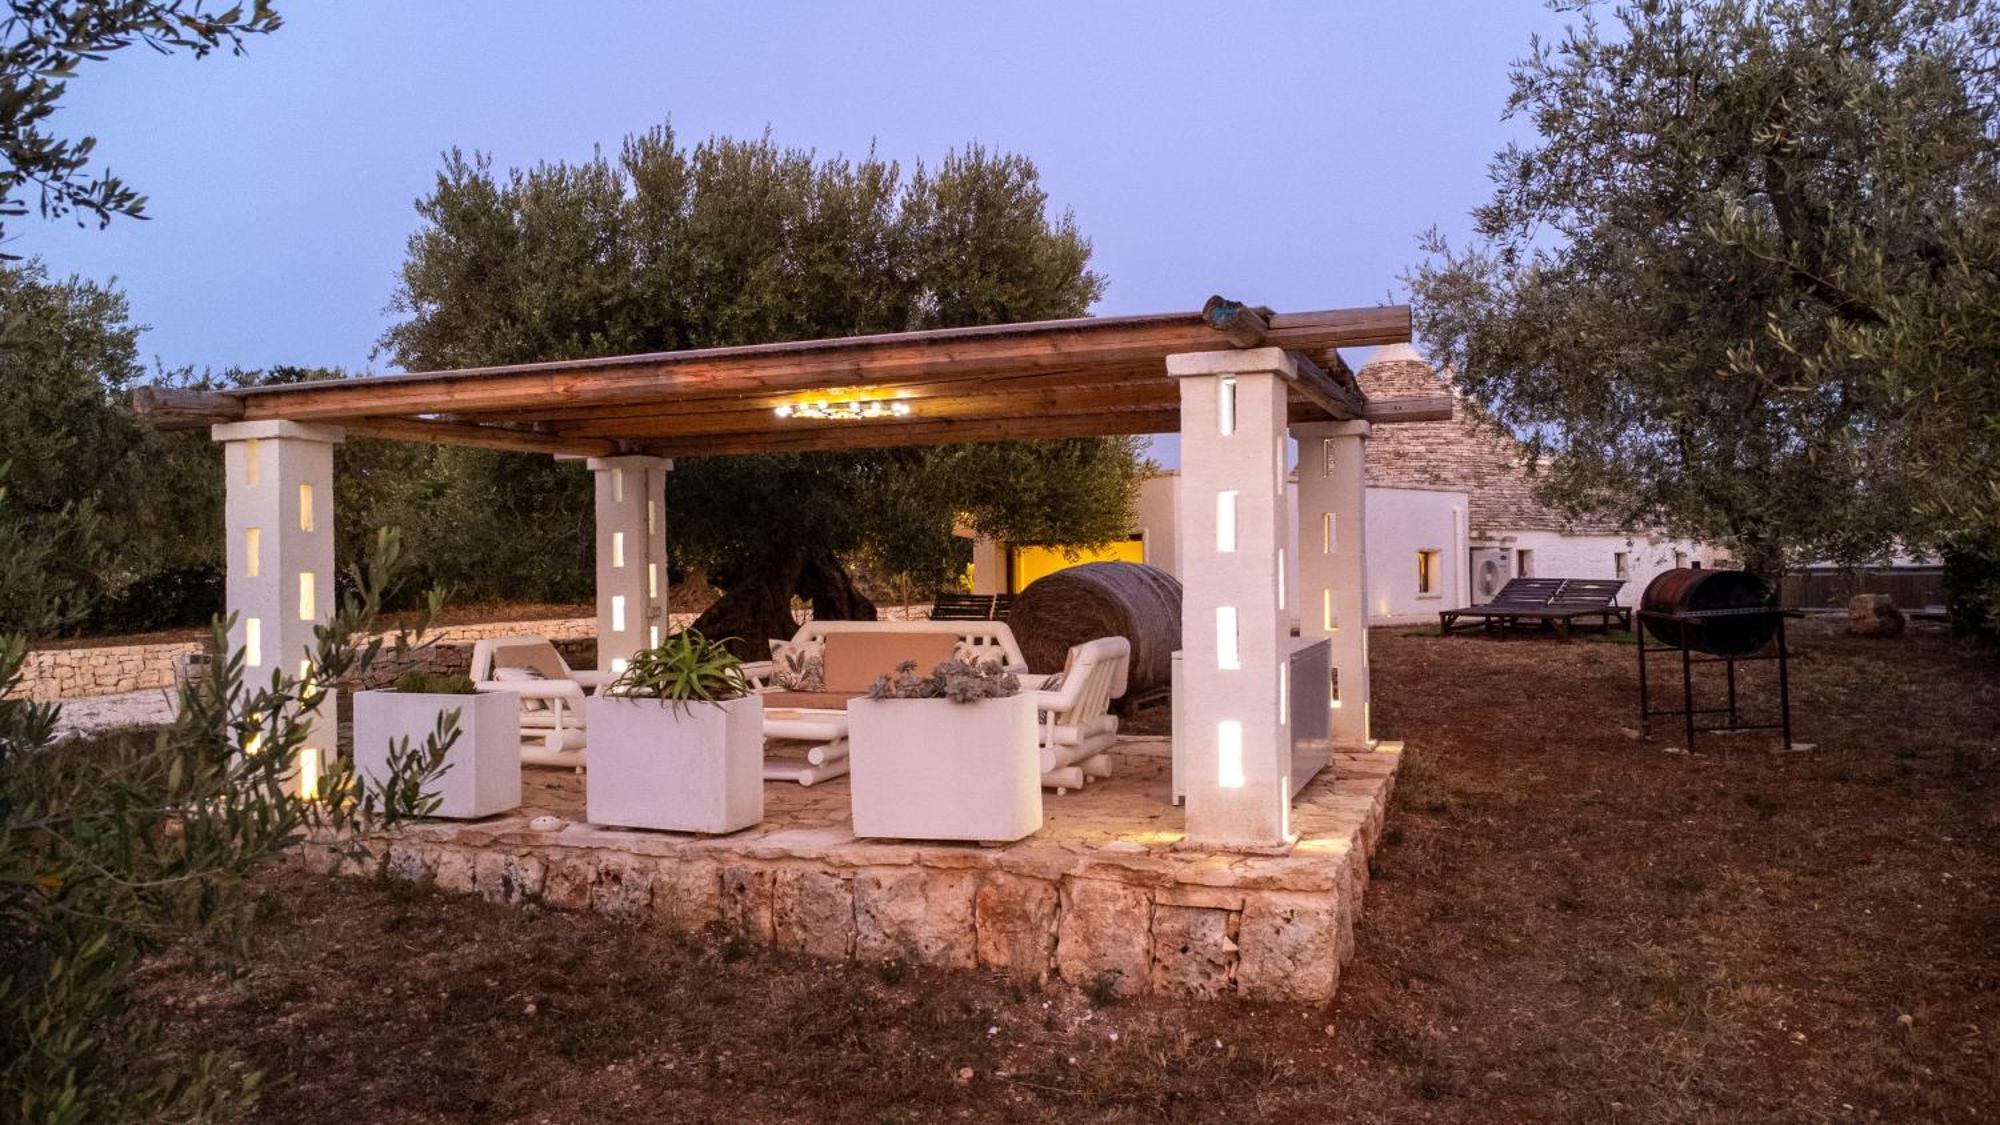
[1722,617]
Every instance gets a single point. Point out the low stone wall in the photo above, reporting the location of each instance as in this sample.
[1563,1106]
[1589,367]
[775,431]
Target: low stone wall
[74,673]
[1119,914]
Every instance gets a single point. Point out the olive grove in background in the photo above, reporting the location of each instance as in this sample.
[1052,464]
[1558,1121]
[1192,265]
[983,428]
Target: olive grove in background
[1744,278]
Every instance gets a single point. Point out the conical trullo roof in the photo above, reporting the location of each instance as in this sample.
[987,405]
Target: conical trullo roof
[1398,371]
[1467,453]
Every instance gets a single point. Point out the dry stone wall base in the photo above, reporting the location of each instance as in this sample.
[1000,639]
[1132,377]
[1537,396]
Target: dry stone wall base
[1185,925]
[76,673]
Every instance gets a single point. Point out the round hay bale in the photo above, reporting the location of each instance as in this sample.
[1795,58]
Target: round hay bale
[1103,599]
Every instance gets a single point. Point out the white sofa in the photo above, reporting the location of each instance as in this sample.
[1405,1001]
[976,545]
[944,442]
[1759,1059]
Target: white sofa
[872,648]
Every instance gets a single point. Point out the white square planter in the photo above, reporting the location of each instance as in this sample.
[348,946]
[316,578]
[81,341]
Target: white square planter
[699,768]
[931,769]
[483,768]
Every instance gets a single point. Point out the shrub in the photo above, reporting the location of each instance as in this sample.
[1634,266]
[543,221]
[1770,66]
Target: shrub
[1972,583]
[416,681]
[115,849]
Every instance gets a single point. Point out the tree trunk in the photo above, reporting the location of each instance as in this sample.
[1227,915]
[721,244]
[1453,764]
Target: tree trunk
[757,606]
[834,596]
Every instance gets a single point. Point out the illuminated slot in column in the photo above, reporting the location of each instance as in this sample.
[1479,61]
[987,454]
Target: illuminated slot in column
[652,580]
[1333,688]
[618,548]
[1227,655]
[1281,578]
[618,486]
[309,772]
[305,506]
[1225,520]
[253,551]
[653,636]
[1328,621]
[618,667]
[1229,754]
[618,613]
[306,596]
[1284,692]
[652,517]
[253,462]
[253,642]
[1225,405]
[1326,533]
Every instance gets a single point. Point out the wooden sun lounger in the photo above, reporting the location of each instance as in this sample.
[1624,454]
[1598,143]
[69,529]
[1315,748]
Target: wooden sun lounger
[1557,602]
[971,607]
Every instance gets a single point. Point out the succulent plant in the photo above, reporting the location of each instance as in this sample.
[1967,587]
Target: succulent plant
[686,668]
[956,680]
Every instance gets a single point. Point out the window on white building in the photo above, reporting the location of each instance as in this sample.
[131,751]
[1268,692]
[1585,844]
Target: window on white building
[1524,564]
[1621,565]
[1430,572]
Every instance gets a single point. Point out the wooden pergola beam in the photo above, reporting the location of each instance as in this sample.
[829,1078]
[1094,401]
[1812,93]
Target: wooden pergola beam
[767,369]
[181,408]
[1388,411]
[1342,402]
[482,437]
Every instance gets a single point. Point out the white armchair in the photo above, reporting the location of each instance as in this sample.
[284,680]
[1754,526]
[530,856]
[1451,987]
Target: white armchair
[551,693]
[1077,726]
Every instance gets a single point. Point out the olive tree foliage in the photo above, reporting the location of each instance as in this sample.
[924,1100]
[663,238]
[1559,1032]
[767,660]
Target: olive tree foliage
[666,247]
[44,44]
[109,503]
[116,848]
[1744,278]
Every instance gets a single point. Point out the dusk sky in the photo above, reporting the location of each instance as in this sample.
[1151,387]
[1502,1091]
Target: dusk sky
[1287,155]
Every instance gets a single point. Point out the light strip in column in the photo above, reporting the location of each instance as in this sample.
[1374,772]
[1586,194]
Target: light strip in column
[1225,520]
[1229,754]
[1225,405]
[1228,656]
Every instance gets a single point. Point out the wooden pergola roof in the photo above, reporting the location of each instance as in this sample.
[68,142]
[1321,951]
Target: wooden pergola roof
[1061,378]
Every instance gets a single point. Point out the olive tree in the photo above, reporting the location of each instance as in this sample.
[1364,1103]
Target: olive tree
[737,242]
[1743,278]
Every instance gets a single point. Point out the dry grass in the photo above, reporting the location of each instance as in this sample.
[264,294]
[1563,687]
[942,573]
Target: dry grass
[1567,924]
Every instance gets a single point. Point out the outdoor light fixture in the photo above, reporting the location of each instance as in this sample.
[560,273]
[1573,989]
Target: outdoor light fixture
[844,411]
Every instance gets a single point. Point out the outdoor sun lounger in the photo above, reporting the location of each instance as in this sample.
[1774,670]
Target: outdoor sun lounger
[971,607]
[1557,602]
[551,693]
[1077,726]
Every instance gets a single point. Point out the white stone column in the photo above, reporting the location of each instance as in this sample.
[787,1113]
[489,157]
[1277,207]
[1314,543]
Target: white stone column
[278,524]
[631,502]
[1232,525]
[1333,567]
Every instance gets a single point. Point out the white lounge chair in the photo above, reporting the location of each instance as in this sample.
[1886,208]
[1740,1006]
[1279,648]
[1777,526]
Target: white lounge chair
[552,695]
[867,649]
[1077,726]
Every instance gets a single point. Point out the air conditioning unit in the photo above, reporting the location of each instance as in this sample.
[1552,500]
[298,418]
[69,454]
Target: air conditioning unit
[1491,568]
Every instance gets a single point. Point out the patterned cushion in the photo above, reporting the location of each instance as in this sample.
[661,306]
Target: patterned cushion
[967,652]
[505,675]
[799,666]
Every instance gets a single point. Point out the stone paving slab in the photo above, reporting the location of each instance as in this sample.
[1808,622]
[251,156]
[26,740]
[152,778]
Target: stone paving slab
[1107,894]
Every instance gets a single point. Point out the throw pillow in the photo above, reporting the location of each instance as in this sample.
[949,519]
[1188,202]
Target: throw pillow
[969,652]
[517,675]
[798,666]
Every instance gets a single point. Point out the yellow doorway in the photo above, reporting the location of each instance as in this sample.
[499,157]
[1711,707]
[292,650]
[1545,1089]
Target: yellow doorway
[1032,562]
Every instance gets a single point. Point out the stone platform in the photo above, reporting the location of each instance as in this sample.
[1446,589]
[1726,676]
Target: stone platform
[1106,895]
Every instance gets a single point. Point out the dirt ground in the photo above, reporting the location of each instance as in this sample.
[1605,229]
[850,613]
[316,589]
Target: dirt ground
[1567,923]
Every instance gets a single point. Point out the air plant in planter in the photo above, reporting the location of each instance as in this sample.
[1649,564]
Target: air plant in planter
[482,766]
[948,756]
[677,741]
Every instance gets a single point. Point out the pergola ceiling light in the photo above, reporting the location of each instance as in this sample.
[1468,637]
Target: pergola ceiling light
[852,410]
